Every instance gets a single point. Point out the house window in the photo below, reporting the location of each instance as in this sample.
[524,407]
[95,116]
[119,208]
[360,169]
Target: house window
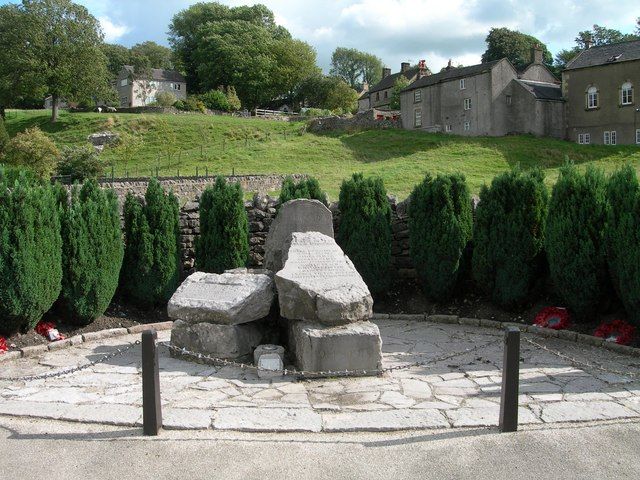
[638,137]
[448,128]
[386,94]
[124,82]
[417,118]
[610,138]
[584,138]
[417,96]
[463,84]
[377,96]
[509,100]
[467,104]
[592,98]
[627,94]
[467,126]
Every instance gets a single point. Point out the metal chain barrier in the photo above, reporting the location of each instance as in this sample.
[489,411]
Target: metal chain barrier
[324,374]
[581,363]
[69,371]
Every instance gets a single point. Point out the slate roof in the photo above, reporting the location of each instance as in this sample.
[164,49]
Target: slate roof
[390,81]
[161,75]
[452,74]
[543,90]
[606,54]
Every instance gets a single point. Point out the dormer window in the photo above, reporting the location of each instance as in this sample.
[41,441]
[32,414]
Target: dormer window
[593,100]
[627,94]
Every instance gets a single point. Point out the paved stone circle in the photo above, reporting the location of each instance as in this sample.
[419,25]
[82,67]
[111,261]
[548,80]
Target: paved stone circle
[459,392]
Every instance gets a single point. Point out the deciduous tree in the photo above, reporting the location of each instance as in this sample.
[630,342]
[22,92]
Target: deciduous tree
[513,45]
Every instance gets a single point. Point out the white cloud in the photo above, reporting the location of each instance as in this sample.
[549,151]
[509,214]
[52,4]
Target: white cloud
[112,31]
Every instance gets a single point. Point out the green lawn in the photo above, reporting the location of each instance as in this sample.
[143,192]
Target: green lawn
[173,143]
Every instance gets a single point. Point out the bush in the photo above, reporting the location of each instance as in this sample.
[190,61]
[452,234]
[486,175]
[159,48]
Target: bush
[308,188]
[191,104]
[440,228]
[34,150]
[224,229]
[165,99]
[30,254]
[509,236]
[574,240]
[4,137]
[623,238]
[215,100]
[233,100]
[152,248]
[365,229]
[92,251]
[80,163]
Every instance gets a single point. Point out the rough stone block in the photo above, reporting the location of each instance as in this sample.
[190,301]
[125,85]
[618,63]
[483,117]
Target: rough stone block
[232,298]
[219,341]
[316,347]
[295,216]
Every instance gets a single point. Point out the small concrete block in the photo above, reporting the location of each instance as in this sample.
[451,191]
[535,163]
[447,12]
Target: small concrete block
[34,351]
[357,346]
[384,421]
[404,317]
[471,322]
[380,316]
[219,341]
[450,319]
[158,327]
[60,344]
[76,340]
[589,339]
[545,332]
[624,349]
[8,356]
[275,420]
[567,335]
[113,332]
[490,324]
[186,419]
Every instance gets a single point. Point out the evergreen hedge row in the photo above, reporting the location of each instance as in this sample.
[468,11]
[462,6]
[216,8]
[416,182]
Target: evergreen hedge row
[365,229]
[30,253]
[440,228]
[223,243]
[623,238]
[92,251]
[575,243]
[508,255]
[152,247]
[308,188]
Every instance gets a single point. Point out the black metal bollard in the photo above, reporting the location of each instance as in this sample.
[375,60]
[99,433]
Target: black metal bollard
[151,406]
[510,381]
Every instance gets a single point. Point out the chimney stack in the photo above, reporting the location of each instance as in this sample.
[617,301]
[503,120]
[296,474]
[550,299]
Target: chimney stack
[386,72]
[450,64]
[588,43]
[537,55]
[404,66]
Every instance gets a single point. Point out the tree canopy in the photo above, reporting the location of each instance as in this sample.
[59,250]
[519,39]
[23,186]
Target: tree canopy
[356,67]
[148,53]
[51,47]
[327,93]
[515,46]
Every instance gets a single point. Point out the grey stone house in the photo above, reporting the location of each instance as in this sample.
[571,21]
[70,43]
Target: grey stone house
[139,92]
[491,99]
[600,88]
[379,96]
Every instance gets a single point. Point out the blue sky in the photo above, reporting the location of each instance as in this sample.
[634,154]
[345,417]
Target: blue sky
[395,30]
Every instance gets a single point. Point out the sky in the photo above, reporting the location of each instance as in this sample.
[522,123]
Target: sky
[394,30]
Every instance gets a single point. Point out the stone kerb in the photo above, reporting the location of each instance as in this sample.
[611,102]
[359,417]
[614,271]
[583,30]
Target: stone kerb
[295,216]
[320,284]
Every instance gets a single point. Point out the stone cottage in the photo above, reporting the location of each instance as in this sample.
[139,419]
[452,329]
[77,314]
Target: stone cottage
[379,96]
[136,91]
[492,99]
[600,88]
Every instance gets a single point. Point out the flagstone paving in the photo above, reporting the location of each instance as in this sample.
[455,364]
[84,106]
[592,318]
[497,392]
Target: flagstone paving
[459,392]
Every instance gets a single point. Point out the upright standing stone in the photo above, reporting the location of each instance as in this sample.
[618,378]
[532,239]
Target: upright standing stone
[295,216]
[320,284]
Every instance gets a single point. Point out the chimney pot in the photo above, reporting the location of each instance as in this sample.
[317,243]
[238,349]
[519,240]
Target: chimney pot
[386,72]
[537,55]
[404,66]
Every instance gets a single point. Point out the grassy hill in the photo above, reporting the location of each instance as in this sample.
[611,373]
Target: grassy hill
[172,143]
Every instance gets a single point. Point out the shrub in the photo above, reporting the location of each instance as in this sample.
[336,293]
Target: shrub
[215,100]
[80,163]
[365,229]
[574,239]
[307,188]
[152,249]
[92,251]
[509,236]
[34,150]
[224,229]
[623,238]
[30,254]
[440,228]
[191,104]
[4,136]
[165,99]
[233,100]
